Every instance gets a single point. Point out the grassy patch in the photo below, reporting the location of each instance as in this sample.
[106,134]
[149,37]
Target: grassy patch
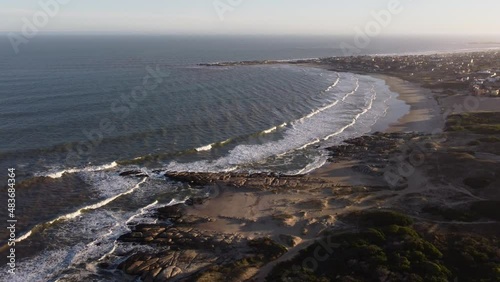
[452,214]
[471,257]
[282,216]
[480,123]
[476,211]
[387,248]
[382,218]
[490,139]
[267,249]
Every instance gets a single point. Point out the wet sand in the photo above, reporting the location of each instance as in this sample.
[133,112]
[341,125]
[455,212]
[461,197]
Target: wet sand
[423,116]
[425,113]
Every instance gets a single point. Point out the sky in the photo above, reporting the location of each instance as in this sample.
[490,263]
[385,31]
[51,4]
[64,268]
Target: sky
[291,17]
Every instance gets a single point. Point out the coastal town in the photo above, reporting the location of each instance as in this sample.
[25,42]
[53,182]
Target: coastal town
[477,72]
[474,73]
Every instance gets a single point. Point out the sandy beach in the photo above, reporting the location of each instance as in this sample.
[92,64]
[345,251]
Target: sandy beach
[262,209]
[425,113]
[423,116]
[294,211]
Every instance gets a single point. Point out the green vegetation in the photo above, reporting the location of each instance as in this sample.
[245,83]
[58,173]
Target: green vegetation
[490,139]
[450,214]
[476,211]
[282,216]
[381,218]
[480,123]
[484,128]
[388,248]
[474,143]
[266,249]
[471,257]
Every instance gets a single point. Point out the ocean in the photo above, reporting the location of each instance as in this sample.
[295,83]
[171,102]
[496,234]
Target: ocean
[75,111]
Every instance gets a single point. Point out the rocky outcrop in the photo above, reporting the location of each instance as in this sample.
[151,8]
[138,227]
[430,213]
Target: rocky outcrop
[259,181]
[376,149]
[134,173]
[381,152]
[185,253]
[165,266]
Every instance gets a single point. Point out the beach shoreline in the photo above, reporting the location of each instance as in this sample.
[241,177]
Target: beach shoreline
[424,116]
[425,112]
[290,213]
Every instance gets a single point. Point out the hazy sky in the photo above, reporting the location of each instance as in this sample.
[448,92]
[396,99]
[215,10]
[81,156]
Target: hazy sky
[255,16]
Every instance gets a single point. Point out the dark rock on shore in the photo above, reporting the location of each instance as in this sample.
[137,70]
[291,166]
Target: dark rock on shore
[195,201]
[134,173]
[261,181]
[186,253]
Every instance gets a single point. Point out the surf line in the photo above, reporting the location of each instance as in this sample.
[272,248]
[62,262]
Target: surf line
[59,174]
[79,212]
[334,84]
[353,91]
[324,108]
[355,119]
[142,211]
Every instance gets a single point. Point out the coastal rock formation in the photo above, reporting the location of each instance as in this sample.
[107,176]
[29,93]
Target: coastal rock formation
[187,252]
[134,173]
[376,149]
[257,180]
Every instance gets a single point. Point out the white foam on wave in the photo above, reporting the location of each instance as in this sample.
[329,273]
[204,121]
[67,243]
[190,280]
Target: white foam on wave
[137,217]
[79,212]
[205,148]
[143,211]
[273,129]
[40,269]
[52,265]
[25,236]
[330,105]
[106,184]
[317,163]
[315,112]
[331,87]
[59,174]
[211,146]
[304,132]
[95,249]
[104,226]
[355,119]
[225,141]
[316,141]
[352,92]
